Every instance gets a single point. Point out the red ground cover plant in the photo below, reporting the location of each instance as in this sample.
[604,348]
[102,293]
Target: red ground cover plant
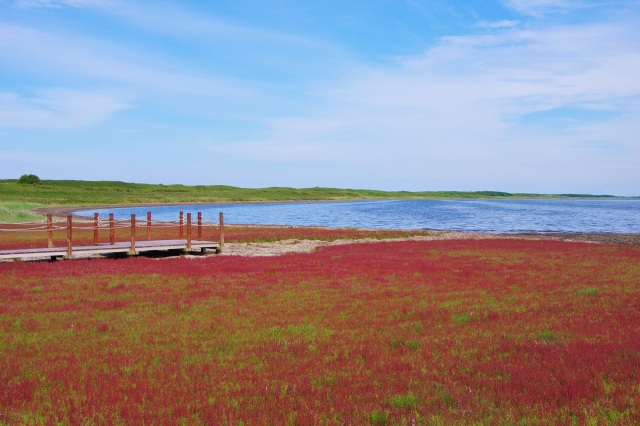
[277,233]
[469,331]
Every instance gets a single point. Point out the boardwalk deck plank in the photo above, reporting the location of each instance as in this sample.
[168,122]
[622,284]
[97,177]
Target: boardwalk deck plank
[102,249]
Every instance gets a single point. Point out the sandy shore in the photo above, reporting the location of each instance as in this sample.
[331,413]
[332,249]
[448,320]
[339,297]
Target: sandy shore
[308,246]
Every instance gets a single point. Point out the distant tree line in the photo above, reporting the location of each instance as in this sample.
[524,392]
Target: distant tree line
[494,194]
[585,196]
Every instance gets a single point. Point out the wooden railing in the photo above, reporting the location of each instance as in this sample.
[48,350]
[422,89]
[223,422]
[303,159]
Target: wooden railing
[50,227]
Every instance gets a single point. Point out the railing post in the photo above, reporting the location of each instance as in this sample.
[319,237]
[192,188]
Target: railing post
[49,231]
[112,230]
[148,225]
[199,225]
[188,231]
[69,237]
[132,250]
[181,225]
[221,230]
[95,229]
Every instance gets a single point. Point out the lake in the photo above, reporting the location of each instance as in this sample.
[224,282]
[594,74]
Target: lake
[482,215]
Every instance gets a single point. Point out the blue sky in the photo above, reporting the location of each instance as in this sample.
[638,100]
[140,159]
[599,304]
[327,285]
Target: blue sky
[507,95]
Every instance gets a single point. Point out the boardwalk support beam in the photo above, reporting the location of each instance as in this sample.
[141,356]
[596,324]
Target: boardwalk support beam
[95,228]
[181,225]
[148,226]
[49,231]
[188,232]
[132,250]
[221,231]
[69,236]
[112,230]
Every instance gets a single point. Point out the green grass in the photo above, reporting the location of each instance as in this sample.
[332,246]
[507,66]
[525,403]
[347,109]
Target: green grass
[15,212]
[379,418]
[403,401]
[590,291]
[547,336]
[77,192]
[461,319]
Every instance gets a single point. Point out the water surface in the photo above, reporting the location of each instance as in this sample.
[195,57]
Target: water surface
[483,215]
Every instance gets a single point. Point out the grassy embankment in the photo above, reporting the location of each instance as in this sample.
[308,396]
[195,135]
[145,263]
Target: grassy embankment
[75,192]
[16,212]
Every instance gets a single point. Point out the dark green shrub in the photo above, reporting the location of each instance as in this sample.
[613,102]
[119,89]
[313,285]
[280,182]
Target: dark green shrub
[29,180]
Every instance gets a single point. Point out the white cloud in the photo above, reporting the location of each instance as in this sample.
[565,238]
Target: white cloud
[289,139]
[453,114]
[62,3]
[539,8]
[177,21]
[85,58]
[58,109]
[539,69]
[497,24]
[182,23]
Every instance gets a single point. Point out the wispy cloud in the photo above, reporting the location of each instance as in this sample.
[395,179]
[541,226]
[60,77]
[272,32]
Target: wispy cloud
[511,98]
[29,48]
[540,68]
[542,7]
[58,109]
[497,24]
[453,112]
[180,22]
[63,3]
[183,23]
[289,139]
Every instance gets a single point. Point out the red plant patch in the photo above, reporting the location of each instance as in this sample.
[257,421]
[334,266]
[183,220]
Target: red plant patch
[493,331]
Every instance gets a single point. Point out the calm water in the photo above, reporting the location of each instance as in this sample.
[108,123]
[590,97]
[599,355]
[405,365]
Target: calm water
[500,216]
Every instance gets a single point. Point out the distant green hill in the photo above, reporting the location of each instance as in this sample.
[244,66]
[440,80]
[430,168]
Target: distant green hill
[77,192]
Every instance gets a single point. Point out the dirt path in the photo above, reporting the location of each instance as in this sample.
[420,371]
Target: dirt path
[307,246]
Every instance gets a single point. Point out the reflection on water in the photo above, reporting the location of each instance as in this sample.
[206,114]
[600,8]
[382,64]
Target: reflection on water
[555,215]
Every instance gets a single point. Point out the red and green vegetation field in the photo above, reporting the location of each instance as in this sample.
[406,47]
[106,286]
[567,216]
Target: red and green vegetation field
[431,332]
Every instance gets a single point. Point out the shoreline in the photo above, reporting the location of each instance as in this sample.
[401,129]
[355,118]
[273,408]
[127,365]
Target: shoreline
[63,211]
[602,238]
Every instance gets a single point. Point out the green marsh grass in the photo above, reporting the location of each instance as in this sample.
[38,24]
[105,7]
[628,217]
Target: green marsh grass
[17,212]
[461,319]
[590,291]
[403,401]
[78,192]
[547,336]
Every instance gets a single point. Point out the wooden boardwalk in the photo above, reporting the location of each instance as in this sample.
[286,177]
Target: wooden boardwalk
[131,247]
[106,249]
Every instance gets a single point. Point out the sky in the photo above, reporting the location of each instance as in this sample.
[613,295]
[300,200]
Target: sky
[538,96]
